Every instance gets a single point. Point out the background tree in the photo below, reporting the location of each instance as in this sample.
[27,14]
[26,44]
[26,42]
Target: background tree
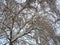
[28,22]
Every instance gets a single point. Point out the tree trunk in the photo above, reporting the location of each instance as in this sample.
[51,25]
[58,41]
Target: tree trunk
[11,38]
[11,43]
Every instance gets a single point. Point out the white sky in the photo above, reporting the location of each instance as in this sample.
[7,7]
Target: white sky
[20,1]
